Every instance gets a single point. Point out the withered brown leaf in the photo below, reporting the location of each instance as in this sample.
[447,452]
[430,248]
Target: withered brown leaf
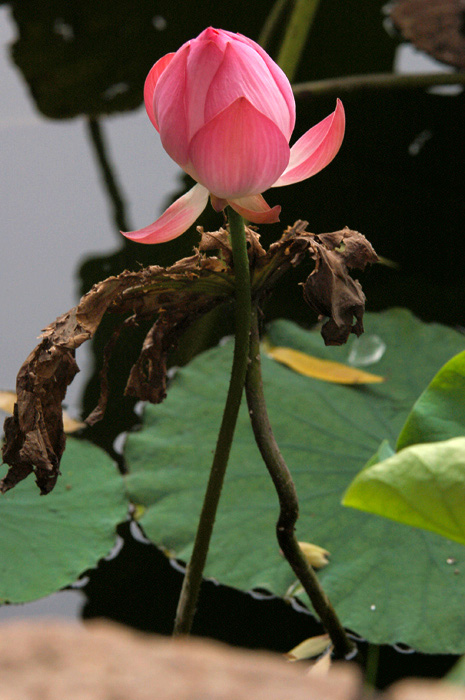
[331,291]
[34,438]
[434,26]
[175,297]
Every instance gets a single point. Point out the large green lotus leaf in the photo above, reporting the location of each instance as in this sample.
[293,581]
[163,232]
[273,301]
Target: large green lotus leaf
[389,582]
[422,485]
[46,542]
[439,413]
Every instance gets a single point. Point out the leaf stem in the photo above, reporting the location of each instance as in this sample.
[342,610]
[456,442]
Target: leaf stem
[289,507]
[376,81]
[296,34]
[193,578]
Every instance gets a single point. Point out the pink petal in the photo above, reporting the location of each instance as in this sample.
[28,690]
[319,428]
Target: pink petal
[315,149]
[150,83]
[278,74]
[203,61]
[169,107]
[238,153]
[218,36]
[175,220]
[217,203]
[243,73]
[255,209]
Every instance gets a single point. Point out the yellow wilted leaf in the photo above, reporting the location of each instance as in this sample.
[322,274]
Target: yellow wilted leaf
[321,665]
[7,404]
[7,401]
[314,646]
[327,370]
[70,425]
[316,556]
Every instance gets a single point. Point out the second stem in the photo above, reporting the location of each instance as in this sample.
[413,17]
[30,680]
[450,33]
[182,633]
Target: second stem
[289,507]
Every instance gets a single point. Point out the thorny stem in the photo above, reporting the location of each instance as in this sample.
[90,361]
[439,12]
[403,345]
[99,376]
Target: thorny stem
[376,81]
[289,507]
[296,34]
[193,578]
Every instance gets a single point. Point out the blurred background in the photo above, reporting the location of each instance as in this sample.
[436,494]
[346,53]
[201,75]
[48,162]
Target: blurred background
[80,160]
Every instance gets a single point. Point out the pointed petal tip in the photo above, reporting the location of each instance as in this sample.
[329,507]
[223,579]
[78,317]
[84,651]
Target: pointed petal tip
[339,112]
[175,220]
[315,149]
[256,210]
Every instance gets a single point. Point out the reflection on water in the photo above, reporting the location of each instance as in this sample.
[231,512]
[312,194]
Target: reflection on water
[108,175]
[85,57]
[408,59]
[55,209]
[67,604]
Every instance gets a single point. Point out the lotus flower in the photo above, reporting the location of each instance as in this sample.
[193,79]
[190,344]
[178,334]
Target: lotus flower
[225,113]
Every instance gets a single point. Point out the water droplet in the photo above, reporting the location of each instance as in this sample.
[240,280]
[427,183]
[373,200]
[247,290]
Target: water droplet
[451,560]
[63,29]
[366,350]
[159,23]
[115,90]
[419,141]
[372,607]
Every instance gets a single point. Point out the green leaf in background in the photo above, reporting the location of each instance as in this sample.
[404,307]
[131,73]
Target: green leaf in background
[46,542]
[439,413]
[389,582]
[383,452]
[423,486]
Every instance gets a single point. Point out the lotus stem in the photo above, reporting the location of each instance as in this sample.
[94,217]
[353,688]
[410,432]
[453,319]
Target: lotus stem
[289,507]
[193,578]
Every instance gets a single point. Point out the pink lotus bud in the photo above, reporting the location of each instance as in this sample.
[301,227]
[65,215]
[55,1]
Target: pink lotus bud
[225,113]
